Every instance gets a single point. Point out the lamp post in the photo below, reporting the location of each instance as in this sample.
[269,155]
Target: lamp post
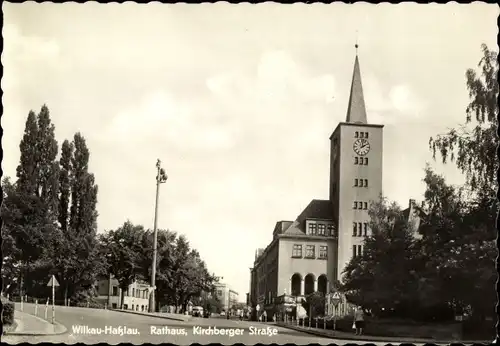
[161,177]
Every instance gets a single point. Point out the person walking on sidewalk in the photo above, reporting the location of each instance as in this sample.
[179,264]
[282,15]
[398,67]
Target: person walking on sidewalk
[359,320]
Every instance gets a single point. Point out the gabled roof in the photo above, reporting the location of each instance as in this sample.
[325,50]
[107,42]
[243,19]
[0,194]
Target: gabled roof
[294,228]
[317,209]
[356,110]
[281,226]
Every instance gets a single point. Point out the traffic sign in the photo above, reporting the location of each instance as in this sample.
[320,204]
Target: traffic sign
[335,298]
[53,282]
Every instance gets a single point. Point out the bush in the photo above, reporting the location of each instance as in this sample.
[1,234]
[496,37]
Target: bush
[7,311]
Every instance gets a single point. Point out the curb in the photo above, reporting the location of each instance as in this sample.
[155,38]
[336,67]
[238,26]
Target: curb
[367,338]
[61,329]
[154,316]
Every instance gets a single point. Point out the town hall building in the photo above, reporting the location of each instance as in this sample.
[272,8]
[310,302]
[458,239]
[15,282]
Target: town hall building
[310,253]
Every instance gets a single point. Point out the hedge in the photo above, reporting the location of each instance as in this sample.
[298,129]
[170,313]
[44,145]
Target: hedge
[7,311]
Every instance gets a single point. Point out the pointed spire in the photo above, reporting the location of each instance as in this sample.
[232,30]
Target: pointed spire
[356,110]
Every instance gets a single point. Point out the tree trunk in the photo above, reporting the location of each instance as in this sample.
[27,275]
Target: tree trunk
[66,294]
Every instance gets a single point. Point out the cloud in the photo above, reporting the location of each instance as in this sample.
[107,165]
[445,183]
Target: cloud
[161,117]
[22,55]
[391,104]
[28,48]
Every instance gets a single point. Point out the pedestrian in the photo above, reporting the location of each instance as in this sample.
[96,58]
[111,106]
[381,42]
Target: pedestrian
[359,320]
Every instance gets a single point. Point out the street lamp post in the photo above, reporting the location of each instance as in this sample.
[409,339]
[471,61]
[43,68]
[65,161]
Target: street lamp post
[161,177]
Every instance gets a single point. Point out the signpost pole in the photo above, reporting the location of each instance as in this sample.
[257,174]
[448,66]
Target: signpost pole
[53,300]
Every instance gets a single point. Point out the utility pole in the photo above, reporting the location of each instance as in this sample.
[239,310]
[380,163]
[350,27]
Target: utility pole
[161,177]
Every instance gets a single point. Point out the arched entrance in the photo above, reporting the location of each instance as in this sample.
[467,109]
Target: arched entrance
[296,281]
[309,284]
[322,283]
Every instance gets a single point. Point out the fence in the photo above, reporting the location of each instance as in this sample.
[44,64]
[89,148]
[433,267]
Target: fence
[59,302]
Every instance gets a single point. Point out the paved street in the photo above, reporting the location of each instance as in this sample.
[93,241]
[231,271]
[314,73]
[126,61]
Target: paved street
[141,327]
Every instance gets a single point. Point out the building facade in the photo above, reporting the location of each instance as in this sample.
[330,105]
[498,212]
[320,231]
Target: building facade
[227,296]
[136,297]
[310,253]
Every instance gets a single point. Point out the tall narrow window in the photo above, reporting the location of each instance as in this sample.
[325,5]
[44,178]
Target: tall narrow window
[321,229]
[355,205]
[354,229]
[366,182]
[365,205]
[359,250]
[330,232]
[361,182]
[354,251]
[366,228]
[366,161]
[312,229]
[323,252]
[361,135]
[356,160]
[360,229]
[355,182]
[366,134]
[356,134]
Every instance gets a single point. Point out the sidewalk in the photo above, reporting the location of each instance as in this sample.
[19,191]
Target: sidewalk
[164,315]
[31,325]
[335,334]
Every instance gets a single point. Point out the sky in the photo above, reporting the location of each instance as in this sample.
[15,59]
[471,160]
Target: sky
[238,101]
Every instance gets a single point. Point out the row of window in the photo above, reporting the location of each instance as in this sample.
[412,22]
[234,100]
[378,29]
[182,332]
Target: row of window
[321,229]
[135,293]
[358,228]
[310,251]
[361,161]
[358,134]
[360,205]
[357,250]
[361,182]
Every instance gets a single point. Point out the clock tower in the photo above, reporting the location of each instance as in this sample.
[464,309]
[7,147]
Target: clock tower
[355,173]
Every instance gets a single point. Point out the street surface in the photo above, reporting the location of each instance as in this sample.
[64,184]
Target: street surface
[144,329]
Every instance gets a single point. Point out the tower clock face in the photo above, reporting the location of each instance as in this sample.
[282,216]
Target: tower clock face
[361,147]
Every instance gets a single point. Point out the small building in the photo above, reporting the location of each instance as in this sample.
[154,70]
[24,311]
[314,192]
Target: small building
[136,297]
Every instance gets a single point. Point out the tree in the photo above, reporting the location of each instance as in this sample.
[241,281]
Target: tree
[184,276]
[27,170]
[33,202]
[457,249]
[77,218]
[11,254]
[314,304]
[122,250]
[65,184]
[38,170]
[473,148]
[384,275]
[164,260]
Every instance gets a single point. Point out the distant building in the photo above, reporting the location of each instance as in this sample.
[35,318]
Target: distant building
[413,215]
[136,297]
[310,253]
[227,296]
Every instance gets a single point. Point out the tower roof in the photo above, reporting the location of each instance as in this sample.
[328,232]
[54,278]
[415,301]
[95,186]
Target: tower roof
[356,110]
